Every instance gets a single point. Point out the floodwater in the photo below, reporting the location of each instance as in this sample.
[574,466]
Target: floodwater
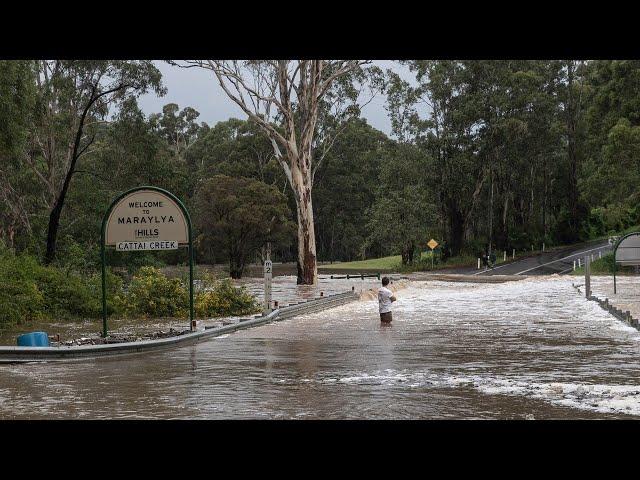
[284,290]
[531,349]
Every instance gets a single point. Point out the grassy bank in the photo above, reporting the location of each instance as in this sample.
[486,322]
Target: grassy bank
[380,264]
[394,264]
[604,266]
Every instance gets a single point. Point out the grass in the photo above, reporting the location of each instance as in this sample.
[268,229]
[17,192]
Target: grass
[394,263]
[383,263]
[604,266]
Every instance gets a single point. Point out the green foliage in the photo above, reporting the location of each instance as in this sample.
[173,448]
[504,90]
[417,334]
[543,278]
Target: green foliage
[604,266]
[402,216]
[20,298]
[29,291]
[152,294]
[75,257]
[67,294]
[234,148]
[178,128]
[17,91]
[220,298]
[611,220]
[424,263]
[238,216]
[347,183]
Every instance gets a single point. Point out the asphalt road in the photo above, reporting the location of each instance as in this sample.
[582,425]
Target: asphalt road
[558,261]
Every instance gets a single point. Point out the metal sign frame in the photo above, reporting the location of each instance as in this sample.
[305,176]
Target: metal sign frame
[103,249]
[615,250]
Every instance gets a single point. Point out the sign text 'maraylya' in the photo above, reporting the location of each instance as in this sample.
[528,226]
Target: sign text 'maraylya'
[146,219]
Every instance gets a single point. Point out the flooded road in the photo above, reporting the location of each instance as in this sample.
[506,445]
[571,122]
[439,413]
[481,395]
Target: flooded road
[530,349]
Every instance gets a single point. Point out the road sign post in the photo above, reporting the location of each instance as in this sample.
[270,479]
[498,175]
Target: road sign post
[268,276]
[145,218]
[587,276]
[626,252]
[432,244]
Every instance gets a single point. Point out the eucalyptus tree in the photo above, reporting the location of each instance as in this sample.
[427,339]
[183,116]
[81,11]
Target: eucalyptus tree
[346,187]
[403,215]
[517,139]
[610,180]
[17,103]
[494,129]
[286,99]
[239,216]
[74,99]
[178,127]
[439,113]
[236,148]
[573,97]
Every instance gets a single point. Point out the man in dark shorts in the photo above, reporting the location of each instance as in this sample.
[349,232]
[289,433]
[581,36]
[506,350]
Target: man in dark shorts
[385,297]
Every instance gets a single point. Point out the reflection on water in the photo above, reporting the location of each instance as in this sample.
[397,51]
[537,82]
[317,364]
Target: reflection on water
[528,349]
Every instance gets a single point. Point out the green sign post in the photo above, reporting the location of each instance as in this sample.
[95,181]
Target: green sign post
[146,218]
[626,252]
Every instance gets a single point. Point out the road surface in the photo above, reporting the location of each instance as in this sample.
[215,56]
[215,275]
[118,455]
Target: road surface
[532,349]
[557,261]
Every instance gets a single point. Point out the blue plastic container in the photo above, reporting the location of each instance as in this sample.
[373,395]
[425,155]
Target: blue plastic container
[34,339]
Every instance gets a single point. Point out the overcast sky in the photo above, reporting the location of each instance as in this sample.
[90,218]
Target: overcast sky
[197,88]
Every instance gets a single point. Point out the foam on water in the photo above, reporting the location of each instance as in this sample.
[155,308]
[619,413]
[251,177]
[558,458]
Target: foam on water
[544,308]
[528,349]
[605,398]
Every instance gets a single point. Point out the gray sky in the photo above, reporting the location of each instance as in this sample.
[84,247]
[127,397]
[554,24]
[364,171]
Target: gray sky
[197,88]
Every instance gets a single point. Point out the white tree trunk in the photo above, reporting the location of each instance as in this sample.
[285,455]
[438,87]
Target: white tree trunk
[302,186]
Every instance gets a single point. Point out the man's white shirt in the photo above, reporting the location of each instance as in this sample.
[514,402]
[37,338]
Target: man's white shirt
[384,299]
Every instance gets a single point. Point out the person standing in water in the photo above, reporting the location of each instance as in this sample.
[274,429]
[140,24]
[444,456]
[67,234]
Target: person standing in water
[385,297]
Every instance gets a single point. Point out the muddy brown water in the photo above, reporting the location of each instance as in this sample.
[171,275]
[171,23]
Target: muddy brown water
[531,349]
[284,290]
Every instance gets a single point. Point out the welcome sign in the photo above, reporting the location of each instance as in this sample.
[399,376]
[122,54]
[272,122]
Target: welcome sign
[146,220]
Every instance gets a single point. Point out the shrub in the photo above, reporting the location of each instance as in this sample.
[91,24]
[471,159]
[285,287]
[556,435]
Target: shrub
[67,294]
[220,298]
[73,256]
[20,298]
[152,294]
[30,291]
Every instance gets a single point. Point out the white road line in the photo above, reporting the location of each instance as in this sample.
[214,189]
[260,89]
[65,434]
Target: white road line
[494,268]
[561,259]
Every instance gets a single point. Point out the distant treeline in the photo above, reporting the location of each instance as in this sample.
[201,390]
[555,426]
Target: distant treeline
[515,153]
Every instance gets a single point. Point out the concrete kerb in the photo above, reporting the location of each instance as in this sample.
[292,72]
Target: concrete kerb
[625,317]
[9,354]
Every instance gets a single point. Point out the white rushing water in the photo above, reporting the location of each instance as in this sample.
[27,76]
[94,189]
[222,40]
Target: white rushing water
[535,348]
[538,338]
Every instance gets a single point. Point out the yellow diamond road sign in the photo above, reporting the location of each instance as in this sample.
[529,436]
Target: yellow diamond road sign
[432,244]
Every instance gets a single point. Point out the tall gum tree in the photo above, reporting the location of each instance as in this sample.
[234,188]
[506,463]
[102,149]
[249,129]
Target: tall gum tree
[286,99]
[74,99]
[438,111]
